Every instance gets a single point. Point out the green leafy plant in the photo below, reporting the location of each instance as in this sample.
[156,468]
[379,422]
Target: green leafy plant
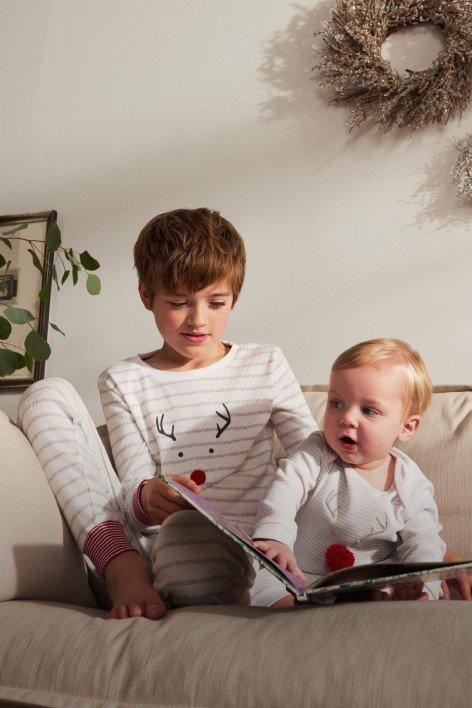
[35,347]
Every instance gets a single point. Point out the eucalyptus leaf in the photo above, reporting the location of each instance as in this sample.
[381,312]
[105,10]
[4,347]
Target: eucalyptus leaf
[17,315]
[2,261]
[29,362]
[75,274]
[54,276]
[93,284]
[7,242]
[37,347]
[36,261]
[8,361]
[20,360]
[53,237]
[57,329]
[65,276]
[74,259]
[44,292]
[5,328]
[14,231]
[88,261]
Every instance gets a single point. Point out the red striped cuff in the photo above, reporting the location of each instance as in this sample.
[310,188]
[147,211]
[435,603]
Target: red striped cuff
[106,541]
[138,510]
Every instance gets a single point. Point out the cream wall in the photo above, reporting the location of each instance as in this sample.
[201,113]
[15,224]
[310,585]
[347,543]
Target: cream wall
[118,109]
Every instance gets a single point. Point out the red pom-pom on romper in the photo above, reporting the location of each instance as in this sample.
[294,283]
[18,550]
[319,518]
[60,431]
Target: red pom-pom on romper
[338,557]
[198,476]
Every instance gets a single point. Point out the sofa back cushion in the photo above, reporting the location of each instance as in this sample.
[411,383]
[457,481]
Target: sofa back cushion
[442,448]
[38,556]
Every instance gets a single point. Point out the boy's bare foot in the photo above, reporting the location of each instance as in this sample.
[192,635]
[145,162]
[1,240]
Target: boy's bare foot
[129,587]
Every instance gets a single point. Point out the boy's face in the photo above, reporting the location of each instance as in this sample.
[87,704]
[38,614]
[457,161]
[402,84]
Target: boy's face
[365,415]
[191,324]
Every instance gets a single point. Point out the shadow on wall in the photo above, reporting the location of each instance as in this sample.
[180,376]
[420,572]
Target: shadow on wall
[309,110]
[438,206]
[287,69]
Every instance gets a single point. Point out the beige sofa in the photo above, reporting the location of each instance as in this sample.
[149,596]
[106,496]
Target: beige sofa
[56,648]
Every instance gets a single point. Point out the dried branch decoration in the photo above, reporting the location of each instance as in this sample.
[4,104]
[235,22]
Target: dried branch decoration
[462,171]
[352,64]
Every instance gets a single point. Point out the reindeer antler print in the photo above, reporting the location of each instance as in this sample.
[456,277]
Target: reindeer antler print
[226,418]
[160,428]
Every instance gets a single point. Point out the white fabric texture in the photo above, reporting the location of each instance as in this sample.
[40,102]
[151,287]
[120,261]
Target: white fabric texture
[219,418]
[194,563]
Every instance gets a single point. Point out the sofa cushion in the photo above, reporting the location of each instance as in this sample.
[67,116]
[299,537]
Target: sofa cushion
[373,654]
[38,556]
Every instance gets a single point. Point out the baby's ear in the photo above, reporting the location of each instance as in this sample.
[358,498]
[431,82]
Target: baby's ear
[410,426]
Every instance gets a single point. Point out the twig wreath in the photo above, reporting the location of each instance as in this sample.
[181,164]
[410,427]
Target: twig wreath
[352,64]
[462,170]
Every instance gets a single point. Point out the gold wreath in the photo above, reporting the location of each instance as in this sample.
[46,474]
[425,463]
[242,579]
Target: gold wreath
[352,64]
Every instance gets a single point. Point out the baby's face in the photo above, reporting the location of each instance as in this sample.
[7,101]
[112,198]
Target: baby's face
[365,414]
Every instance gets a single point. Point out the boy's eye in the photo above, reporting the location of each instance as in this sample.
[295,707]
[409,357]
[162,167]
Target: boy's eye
[217,305]
[177,305]
[335,405]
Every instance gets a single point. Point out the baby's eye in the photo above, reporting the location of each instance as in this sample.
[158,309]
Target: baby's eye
[369,411]
[336,405]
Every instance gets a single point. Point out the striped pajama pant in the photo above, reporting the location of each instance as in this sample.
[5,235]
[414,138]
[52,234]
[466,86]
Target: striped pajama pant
[192,562]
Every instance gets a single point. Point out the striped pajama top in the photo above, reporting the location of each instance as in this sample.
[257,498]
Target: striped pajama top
[220,418]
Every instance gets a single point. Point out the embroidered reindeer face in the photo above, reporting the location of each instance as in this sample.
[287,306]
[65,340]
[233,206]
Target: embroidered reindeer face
[220,429]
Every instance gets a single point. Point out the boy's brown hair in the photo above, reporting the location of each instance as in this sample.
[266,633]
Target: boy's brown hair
[189,249]
[393,353]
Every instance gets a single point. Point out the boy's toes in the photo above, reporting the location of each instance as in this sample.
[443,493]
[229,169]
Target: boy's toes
[122,612]
[154,611]
[135,609]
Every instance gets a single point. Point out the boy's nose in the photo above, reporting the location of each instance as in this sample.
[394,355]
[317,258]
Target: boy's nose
[196,318]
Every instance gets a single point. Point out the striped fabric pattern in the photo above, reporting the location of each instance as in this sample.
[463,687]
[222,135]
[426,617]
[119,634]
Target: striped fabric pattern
[83,481]
[220,418]
[65,440]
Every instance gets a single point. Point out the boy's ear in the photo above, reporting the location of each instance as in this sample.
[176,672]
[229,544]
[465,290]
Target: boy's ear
[410,427]
[146,300]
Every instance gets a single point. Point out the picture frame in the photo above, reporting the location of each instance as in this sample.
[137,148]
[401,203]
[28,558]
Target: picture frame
[23,282]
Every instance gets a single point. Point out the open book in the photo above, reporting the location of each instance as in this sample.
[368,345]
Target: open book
[353,580]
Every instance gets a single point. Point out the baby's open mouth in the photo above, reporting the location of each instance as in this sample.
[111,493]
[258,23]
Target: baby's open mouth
[347,440]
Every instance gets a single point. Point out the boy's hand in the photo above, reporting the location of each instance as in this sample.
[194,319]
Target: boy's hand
[160,501]
[281,554]
[463,583]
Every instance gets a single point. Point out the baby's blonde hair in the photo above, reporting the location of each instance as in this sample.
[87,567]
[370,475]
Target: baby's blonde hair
[394,354]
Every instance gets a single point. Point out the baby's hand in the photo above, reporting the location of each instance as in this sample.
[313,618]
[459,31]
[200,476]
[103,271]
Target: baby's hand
[463,583]
[281,554]
[160,501]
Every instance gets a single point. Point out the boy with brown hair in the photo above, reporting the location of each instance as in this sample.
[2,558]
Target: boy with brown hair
[198,407]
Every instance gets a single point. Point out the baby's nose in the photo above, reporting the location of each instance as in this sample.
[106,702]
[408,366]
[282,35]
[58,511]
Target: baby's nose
[348,419]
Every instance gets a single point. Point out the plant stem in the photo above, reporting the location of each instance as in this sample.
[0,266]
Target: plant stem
[13,345]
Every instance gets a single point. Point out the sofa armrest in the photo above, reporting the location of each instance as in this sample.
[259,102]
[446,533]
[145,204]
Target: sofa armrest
[38,556]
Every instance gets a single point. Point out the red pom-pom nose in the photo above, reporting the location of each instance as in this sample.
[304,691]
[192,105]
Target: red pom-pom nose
[198,476]
[338,557]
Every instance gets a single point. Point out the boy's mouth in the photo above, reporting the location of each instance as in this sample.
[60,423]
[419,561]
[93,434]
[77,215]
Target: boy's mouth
[348,443]
[194,337]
